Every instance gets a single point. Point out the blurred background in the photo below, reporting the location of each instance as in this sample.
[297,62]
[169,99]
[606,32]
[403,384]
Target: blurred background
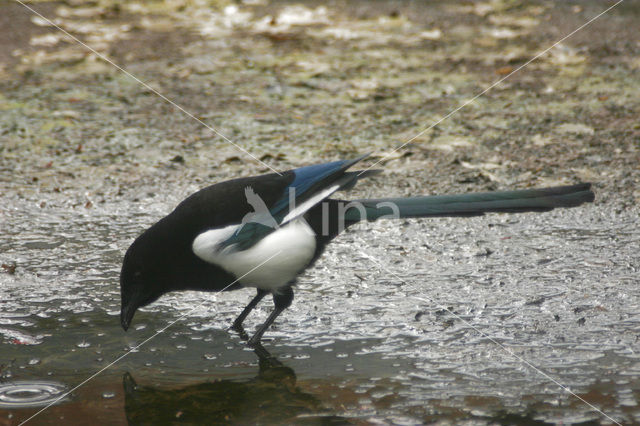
[89,157]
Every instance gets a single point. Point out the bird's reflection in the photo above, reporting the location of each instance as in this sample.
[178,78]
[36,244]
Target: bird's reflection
[271,397]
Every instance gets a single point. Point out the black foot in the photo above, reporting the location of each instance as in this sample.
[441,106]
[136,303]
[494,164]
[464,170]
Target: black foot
[238,328]
[254,342]
[237,324]
[264,355]
[282,299]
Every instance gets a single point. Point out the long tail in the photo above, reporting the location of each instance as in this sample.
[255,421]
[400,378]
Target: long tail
[474,204]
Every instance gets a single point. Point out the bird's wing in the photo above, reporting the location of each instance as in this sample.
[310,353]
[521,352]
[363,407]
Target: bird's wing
[308,182]
[310,186]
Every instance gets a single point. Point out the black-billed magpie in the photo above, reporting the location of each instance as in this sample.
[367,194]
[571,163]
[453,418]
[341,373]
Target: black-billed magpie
[263,231]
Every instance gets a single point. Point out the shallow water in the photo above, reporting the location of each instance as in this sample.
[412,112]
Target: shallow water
[442,319]
[22,394]
[472,321]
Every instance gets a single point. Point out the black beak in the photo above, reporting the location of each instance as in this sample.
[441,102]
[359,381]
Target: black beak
[126,315]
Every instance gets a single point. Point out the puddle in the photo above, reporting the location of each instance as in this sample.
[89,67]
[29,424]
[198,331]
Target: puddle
[27,394]
[362,341]
[90,159]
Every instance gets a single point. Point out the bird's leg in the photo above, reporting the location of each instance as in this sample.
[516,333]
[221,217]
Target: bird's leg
[237,324]
[282,300]
[263,354]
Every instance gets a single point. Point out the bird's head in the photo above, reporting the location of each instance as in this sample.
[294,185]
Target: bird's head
[138,286]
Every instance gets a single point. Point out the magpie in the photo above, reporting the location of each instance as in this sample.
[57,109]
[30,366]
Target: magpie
[264,231]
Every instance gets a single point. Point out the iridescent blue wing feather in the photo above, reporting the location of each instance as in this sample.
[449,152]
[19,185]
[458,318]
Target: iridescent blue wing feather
[307,182]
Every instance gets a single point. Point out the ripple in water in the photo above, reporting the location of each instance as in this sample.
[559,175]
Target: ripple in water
[29,393]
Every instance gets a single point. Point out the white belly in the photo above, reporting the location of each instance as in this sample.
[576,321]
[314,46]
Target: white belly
[270,264]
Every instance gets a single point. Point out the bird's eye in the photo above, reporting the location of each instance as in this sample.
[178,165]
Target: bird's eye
[137,273]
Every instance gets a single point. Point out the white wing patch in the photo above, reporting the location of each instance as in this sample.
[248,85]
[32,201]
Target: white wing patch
[296,241]
[302,208]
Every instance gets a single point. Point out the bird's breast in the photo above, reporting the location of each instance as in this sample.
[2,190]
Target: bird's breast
[271,263]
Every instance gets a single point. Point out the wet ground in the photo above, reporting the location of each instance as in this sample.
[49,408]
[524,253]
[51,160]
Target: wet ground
[470,321]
